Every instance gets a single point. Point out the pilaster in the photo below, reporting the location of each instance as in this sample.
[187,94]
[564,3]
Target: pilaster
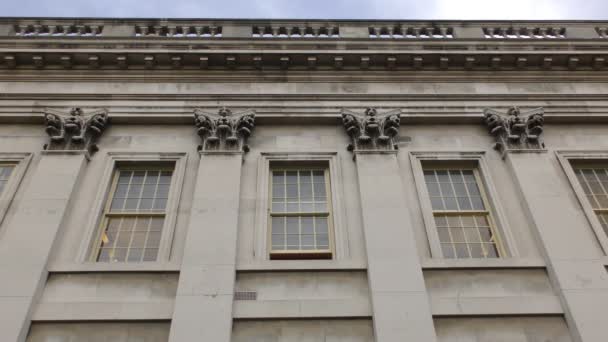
[203,305]
[401,308]
[572,255]
[28,238]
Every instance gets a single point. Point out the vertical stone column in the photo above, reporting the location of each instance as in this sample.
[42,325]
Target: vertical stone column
[401,307]
[570,250]
[203,306]
[28,238]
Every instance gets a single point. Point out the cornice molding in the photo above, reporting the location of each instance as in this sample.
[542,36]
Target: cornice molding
[268,60]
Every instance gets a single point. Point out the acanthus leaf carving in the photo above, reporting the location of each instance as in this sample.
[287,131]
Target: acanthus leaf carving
[225,131]
[372,131]
[74,130]
[516,130]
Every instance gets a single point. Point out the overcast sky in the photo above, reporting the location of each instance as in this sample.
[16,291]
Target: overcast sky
[335,9]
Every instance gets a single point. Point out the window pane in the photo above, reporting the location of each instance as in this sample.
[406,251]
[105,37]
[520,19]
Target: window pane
[136,237]
[467,234]
[305,193]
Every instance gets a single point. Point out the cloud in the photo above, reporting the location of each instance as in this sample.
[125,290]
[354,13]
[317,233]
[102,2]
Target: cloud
[322,9]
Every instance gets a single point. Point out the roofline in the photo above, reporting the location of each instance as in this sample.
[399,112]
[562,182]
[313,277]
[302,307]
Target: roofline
[249,20]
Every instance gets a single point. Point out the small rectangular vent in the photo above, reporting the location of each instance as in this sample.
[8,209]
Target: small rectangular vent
[245,295]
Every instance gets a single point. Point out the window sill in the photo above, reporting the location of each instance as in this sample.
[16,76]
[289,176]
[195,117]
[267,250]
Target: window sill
[301,255]
[113,267]
[438,264]
[300,265]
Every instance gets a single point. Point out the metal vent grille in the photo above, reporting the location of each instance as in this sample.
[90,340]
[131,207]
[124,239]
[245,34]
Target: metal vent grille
[245,295]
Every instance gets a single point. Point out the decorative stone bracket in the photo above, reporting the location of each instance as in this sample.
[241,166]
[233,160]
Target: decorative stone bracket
[224,131]
[74,130]
[515,130]
[372,131]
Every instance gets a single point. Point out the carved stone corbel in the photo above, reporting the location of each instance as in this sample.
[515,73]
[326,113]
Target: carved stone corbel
[74,130]
[224,131]
[372,131]
[516,130]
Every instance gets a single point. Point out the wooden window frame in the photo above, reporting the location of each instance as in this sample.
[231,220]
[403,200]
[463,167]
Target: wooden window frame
[568,159]
[471,160]
[338,233]
[107,213]
[114,161]
[302,253]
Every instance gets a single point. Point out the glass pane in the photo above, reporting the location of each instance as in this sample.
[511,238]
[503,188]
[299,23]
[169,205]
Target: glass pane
[153,240]
[464,203]
[471,235]
[306,191]
[444,235]
[292,177]
[165,177]
[292,191]
[477,203]
[437,203]
[457,235]
[135,254]
[278,241]
[162,191]
[124,177]
[121,190]
[476,251]
[308,240]
[448,251]
[441,221]
[322,241]
[319,189]
[149,191]
[433,189]
[150,254]
[138,177]
[160,203]
[104,255]
[293,241]
[446,189]
[321,225]
[278,225]
[293,207]
[146,204]
[305,177]
[278,207]
[450,203]
[461,250]
[319,176]
[456,176]
[278,191]
[293,226]
[460,189]
[152,177]
[278,177]
[429,176]
[307,225]
[442,176]
[473,189]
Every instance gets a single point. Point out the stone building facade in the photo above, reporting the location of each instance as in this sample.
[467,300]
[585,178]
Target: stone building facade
[303,181]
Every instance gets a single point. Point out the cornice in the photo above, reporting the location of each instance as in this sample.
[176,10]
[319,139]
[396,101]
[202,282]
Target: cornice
[304,114]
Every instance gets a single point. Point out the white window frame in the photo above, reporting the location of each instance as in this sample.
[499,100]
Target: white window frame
[566,160]
[338,235]
[21,162]
[113,159]
[497,217]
